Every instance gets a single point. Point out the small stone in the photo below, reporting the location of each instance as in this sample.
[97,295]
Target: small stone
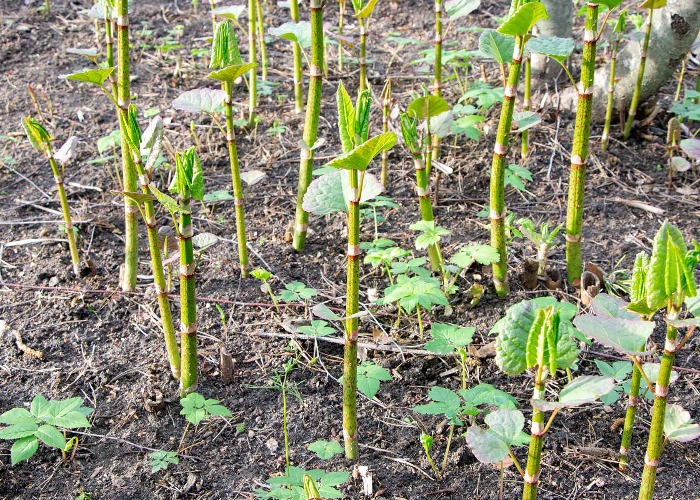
[272,445]
[53,281]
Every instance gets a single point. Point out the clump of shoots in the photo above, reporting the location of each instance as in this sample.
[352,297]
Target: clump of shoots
[351,185]
[543,239]
[618,34]
[313,110]
[149,145]
[228,65]
[650,5]
[537,334]
[41,141]
[420,147]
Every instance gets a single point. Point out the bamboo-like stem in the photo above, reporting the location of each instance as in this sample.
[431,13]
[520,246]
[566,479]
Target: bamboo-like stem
[188,307]
[159,281]
[341,24]
[537,431]
[261,38]
[65,208]
[498,166]
[236,181]
[212,6]
[658,412]
[130,183]
[579,150]
[298,76]
[363,53]
[640,78]
[313,109]
[426,206]
[527,92]
[630,416]
[681,75]
[611,94]
[109,48]
[386,110]
[437,80]
[252,57]
[352,323]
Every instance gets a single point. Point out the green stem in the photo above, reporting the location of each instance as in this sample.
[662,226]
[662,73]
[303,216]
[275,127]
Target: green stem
[252,57]
[525,136]
[67,221]
[212,6]
[386,111]
[287,461]
[341,24]
[640,78]
[447,449]
[352,323]
[363,54]
[579,150]
[158,272]
[658,413]
[131,247]
[236,182]
[313,109]
[261,38]
[188,309]
[437,82]
[109,48]
[498,166]
[680,78]
[611,94]
[632,403]
[534,455]
[298,77]
[426,206]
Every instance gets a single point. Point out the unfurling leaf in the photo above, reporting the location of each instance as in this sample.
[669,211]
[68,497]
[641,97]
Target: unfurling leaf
[366,10]
[224,48]
[668,278]
[346,118]
[36,133]
[522,20]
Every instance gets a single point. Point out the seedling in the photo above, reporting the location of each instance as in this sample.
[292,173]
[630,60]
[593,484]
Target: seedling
[673,138]
[651,5]
[41,424]
[414,293]
[426,441]
[226,60]
[313,109]
[538,334]
[451,339]
[429,235]
[543,239]
[344,190]
[264,275]
[667,283]
[196,409]
[618,34]
[300,484]
[325,450]
[41,141]
[161,460]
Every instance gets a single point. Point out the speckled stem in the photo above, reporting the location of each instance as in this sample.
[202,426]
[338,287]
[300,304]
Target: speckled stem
[188,307]
[65,208]
[640,78]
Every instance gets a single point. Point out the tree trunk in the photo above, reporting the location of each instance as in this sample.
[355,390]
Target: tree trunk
[560,23]
[674,30]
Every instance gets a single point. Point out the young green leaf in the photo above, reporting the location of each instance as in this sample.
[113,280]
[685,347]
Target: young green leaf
[201,100]
[524,120]
[23,449]
[426,107]
[449,338]
[232,12]
[296,32]
[160,460]
[551,46]
[368,377]
[467,255]
[94,76]
[36,133]
[224,49]
[430,234]
[522,20]
[325,450]
[195,408]
[17,416]
[649,4]
[366,10]
[331,192]
[346,118]
[678,426]
[317,328]
[668,278]
[444,402]
[579,391]
[51,436]
[361,156]
[493,445]
[411,292]
[231,73]
[627,336]
[486,394]
[456,9]
[496,46]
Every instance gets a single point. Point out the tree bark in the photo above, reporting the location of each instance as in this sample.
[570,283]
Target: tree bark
[559,23]
[674,30]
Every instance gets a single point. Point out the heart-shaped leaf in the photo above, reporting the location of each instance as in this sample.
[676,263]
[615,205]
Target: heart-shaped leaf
[627,336]
[427,107]
[331,192]
[232,73]
[524,120]
[232,12]
[611,306]
[551,46]
[492,445]
[360,157]
[296,32]
[496,46]
[460,8]
[579,391]
[678,426]
[523,20]
[94,76]
[201,100]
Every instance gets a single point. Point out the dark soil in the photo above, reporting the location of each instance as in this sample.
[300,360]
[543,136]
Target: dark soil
[106,346]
